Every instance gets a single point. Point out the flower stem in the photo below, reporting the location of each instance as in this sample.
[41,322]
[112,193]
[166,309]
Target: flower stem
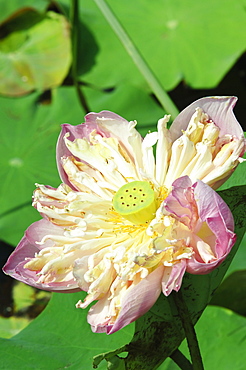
[74,19]
[189,329]
[178,357]
[138,59]
[108,355]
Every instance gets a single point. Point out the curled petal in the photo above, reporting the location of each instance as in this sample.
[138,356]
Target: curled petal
[137,300]
[211,205]
[26,249]
[214,213]
[80,131]
[208,220]
[172,277]
[219,109]
[106,124]
[218,142]
[118,127]
[98,316]
[106,120]
[180,202]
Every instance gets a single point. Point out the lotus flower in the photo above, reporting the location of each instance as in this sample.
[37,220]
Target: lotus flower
[124,226]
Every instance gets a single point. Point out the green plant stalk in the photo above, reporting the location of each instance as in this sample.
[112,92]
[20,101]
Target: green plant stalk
[74,20]
[138,59]
[108,355]
[179,359]
[189,329]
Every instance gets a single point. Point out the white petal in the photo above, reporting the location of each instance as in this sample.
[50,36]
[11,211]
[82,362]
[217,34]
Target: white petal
[163,150]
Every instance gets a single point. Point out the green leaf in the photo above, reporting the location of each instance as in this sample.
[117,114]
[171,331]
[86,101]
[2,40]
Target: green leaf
[12,325]
[28,301]
[137,58]
[115,363]
[232,293]
[29,132]
[34,52]
[238,262]
[130,102]
[194,41]
[237,178]
[59,338]
[23,296]
[9,7]
[221,334]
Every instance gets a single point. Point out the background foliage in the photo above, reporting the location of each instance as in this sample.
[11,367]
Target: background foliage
[191,46]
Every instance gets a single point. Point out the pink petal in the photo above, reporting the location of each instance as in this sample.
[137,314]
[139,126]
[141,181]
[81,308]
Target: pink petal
[210,204]
[199,205]
[219,109]
[99,316]
[180,202]
[137,300]
[111,118]
[27,249]
[112,121]
[40,229]
[215,212]
[115,126]
[79,131]
[172,277]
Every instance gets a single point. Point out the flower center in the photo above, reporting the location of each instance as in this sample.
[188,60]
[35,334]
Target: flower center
[135,202]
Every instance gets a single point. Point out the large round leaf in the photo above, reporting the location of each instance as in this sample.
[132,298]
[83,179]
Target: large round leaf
[34,52]
[130,102]
[59,338]
[29,131]
[8,7]
[221,335]
[195,41]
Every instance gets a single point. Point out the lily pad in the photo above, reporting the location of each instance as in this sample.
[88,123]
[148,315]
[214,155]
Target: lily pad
[12,326]
[9,7]
[221,335]
[128,101]
[238,263]
[59,338]
[29,132]
[232,293]
[34,52]
[194,41]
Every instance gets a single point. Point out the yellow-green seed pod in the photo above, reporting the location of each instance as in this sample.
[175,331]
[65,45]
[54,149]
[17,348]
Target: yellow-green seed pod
[135,202]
